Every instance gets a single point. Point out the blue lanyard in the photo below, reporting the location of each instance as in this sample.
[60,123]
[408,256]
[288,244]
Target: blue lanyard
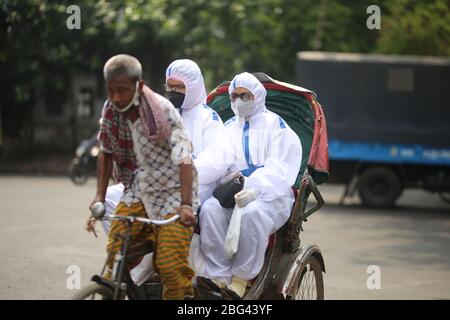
[246,147]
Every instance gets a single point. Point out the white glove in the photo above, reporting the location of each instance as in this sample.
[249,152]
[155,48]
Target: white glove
[244,197]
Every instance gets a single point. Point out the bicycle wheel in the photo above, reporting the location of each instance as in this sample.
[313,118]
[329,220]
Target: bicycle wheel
[309,283]
[94,291]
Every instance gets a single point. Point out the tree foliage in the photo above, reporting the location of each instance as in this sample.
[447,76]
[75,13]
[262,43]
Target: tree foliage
[38,53]
[417,27]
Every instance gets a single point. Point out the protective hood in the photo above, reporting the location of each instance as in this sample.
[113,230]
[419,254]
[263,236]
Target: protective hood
[251,83]
[188,71]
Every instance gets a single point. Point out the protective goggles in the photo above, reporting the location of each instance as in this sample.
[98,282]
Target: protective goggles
[177,88]
[245,96]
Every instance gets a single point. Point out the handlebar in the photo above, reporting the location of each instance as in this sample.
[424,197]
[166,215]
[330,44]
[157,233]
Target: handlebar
[98,213]
[144,220]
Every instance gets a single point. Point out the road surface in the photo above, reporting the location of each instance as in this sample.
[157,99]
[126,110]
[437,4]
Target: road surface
[43,244]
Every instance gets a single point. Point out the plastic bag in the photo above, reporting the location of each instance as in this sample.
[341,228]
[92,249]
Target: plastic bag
[196,258]
[234,230]
[143,270]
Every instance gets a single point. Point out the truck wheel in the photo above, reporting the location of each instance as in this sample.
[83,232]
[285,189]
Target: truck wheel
[379,187]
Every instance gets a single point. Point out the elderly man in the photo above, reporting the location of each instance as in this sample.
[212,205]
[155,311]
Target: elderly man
[185,88]
[259,144]
[143,134]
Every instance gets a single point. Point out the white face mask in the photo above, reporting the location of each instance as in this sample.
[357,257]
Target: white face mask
[133,102]
[243,108]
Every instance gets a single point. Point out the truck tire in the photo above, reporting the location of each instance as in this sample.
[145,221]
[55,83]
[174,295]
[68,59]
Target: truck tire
[379,187]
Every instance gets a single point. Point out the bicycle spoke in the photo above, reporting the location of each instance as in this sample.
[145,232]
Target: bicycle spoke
[308,282]
[311,285]
[308,286]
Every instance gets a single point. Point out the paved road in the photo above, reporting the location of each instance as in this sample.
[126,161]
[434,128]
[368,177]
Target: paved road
[41,236]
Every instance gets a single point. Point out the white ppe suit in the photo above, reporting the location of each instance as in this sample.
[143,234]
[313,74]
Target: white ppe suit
[268,153]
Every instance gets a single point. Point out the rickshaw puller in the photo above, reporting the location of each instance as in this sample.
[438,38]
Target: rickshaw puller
[185,88]
[142,133]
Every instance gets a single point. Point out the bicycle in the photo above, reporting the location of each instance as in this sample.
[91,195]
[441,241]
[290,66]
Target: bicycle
[121,286]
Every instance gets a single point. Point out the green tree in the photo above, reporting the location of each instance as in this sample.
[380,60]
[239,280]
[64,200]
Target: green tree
[416,27]
[39,55]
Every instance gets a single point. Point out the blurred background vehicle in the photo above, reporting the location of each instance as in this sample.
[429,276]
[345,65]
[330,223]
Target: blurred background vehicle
[388,121]
[85,161]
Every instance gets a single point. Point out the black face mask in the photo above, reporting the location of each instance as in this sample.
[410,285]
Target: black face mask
[176,98]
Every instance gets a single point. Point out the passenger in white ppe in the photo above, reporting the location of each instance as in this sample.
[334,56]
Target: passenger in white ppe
[259,144]
[186,90]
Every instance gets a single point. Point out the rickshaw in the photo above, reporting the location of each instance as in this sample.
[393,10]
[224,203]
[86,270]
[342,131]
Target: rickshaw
[290,271]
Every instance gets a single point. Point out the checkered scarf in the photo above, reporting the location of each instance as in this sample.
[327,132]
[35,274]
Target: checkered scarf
[115,134]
